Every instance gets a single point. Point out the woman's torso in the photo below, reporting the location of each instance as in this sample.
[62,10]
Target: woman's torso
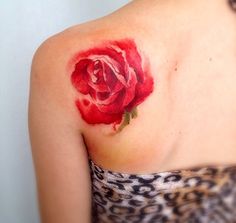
[146,170]
[187,121]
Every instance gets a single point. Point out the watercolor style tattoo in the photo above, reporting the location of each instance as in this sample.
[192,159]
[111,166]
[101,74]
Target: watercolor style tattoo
[112,80]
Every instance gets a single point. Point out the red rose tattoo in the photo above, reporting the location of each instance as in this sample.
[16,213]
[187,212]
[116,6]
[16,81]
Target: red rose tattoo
[112,81]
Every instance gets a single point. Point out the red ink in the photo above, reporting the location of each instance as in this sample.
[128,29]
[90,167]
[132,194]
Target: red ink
[86,102]
[111,81]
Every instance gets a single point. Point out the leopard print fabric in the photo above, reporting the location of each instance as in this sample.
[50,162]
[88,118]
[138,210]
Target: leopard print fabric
[199,195]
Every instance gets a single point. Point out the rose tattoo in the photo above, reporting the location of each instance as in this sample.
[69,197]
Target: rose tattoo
[112,81]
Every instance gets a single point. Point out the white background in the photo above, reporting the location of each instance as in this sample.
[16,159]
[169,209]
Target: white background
[23,26]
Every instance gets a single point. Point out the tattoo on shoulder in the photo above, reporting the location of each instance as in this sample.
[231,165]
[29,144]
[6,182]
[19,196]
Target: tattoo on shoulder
[111,79]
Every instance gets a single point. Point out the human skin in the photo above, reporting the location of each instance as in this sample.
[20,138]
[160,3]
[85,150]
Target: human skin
[188,119]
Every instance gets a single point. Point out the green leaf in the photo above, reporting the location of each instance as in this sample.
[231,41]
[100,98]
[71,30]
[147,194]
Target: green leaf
[127,116]
[125,122]
[134,112]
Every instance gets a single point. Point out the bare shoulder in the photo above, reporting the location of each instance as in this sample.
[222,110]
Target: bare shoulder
[57,57]
[101,77]
[51,59]
[54,52]
[50,74]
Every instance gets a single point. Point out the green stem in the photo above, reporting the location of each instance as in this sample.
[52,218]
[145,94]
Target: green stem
[125,122]
[134,112]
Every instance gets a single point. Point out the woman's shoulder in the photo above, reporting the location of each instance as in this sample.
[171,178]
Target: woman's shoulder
[105,73]
[124,79]
[59,59]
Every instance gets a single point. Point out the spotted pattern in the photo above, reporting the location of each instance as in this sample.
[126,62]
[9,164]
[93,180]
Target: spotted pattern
[199,195]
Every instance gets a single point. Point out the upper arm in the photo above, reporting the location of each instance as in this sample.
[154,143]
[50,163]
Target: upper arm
[59,153]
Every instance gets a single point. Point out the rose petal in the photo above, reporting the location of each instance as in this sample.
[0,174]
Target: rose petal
[125,64]
[132,56]
[96,80]
[93,94]
[130,91]
[110,77]
[105,51]
[92,115]
[79,77]
[109,100]
[99,87]
[143,90]
[96,100]
[114,67]
[116,106]
[102,96]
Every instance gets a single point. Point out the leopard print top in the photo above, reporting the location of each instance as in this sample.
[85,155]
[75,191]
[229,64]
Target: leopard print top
[197,195]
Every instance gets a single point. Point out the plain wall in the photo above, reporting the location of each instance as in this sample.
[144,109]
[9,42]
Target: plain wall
[23,26]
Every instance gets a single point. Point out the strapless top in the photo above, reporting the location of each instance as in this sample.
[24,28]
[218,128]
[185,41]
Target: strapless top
[196,195]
